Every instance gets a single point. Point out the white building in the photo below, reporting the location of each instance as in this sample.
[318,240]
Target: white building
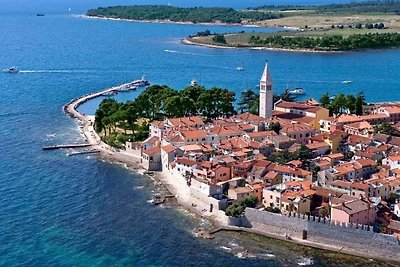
[392,161]
[397,210]
[266,96]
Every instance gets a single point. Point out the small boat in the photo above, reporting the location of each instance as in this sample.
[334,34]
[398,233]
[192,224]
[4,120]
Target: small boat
[157,200]
[193,83]
[239,69]
[11,70]
[141,82]
[111,93]
[40,15]
[297,91]
[347,82]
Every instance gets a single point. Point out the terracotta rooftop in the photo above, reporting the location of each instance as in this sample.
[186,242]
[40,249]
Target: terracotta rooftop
[392,109]
[151,140]
[354,206]
[152,151]
[317,145]
[242,190]
[185,161]
[361,125]
[186,121]
[191,148]
[298,106]
[168,148]
[198,134]
[349,185]
[295,128]
[261,134]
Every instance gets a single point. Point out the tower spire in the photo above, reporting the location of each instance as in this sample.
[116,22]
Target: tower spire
[266,95]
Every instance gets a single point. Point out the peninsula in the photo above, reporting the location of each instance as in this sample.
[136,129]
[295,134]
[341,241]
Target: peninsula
[182,15]
[341,27]
[317,173]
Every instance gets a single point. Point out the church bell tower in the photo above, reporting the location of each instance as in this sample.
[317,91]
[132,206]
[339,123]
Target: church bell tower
[266,96]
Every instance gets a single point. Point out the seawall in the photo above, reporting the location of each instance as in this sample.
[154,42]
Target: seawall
[358,240]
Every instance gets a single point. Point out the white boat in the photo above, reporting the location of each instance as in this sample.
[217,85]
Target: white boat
[346,82]
[11,70]
[111,93]
[193,82]
[297,91]
[141,82]
[239,69]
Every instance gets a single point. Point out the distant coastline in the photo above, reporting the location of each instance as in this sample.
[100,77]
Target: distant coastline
[186,41]
[171,22]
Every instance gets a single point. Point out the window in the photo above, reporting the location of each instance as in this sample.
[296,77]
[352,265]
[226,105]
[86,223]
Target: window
[271,197]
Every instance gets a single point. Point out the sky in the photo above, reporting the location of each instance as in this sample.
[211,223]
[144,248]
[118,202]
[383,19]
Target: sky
[80,6]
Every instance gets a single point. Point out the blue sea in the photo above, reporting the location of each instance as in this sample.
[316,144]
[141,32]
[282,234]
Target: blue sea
[79,211]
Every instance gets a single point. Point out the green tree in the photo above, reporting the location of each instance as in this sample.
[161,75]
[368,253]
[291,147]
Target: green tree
[386,128]
[219,38]
[285,96]
[303,153]
[179,106]
[325,101]
[192,92]
[275,126]
[338,104]
[238,207]
[360,101]
[248,99]
[216,102]
[351,103]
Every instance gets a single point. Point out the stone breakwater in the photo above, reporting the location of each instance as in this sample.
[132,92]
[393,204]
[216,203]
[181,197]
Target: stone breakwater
[358,240]
[87,129]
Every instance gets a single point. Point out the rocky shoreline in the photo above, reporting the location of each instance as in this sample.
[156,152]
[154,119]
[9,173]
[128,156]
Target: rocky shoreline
[186,41]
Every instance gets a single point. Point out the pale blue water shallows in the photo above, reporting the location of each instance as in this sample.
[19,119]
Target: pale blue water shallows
[77,211]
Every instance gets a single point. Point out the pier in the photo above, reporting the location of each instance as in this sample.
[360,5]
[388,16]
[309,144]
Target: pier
[84,152]
[66,146]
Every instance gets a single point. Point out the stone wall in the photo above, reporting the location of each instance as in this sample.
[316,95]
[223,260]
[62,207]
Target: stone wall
[352,239]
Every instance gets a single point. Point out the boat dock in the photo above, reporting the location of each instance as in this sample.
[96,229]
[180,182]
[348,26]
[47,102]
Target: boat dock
[157,200]
[84,152]
[66,146]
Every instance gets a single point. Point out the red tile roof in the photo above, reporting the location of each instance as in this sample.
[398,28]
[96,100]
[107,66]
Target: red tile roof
[185,161]
[168,148]
[152,151]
